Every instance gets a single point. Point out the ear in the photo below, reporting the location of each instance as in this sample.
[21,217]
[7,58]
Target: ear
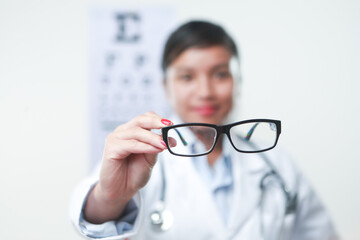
[165,85]
[164,82]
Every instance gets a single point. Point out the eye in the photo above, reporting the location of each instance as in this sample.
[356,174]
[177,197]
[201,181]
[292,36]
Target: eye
[185,77]
[222,75]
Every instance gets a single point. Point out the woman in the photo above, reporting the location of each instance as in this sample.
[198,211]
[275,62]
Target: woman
[216,196]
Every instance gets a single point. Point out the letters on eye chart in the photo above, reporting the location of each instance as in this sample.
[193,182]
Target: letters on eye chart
[125,74]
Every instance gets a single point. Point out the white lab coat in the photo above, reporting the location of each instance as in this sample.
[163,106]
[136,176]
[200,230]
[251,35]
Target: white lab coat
[196,215]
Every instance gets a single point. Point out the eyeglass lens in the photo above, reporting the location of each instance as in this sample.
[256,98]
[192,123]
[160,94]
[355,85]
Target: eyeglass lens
[206,135]
[254,136]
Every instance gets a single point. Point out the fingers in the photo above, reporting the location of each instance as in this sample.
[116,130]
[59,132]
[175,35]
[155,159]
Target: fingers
[172,142]
[147,121]
[130,153]
[141,135]
[133,147]
[135,137]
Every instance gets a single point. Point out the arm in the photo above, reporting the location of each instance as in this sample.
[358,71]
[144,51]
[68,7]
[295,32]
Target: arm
[125,226]
[129,156]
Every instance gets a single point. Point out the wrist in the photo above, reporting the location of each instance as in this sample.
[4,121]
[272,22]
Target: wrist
[111,199]
[99,208]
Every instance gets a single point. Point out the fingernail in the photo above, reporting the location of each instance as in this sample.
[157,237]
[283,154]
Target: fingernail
[163,143]
[166,122]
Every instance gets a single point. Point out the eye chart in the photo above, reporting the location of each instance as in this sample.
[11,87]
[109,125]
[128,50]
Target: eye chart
[125,74]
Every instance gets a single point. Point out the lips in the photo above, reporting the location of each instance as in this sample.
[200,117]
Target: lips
[205,110]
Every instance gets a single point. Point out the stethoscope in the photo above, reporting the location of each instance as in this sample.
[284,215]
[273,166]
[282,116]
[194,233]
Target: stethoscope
[288,214]
[162,219]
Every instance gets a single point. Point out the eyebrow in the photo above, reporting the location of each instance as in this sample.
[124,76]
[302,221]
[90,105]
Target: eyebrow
[222,65]
[227,65]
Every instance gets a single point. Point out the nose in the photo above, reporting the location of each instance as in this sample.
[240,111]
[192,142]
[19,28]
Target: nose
[205,88]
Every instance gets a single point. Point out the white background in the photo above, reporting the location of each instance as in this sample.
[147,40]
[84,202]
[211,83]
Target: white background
[300,64]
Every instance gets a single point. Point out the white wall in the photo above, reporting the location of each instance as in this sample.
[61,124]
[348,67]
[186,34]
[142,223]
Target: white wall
[300,63]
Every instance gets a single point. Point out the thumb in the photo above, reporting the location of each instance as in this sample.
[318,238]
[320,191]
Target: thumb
[151,158]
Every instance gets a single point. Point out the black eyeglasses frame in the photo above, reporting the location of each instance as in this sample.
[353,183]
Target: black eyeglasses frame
[221,129]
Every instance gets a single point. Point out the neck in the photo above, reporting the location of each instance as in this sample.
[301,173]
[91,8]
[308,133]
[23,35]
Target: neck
[215,154]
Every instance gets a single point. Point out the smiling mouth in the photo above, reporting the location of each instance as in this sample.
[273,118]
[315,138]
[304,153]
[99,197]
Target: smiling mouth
[205,110]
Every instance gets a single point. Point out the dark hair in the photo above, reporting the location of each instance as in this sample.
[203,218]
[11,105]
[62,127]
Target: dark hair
[195,34]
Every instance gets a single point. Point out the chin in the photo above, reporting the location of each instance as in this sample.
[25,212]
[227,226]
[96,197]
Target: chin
[212,119]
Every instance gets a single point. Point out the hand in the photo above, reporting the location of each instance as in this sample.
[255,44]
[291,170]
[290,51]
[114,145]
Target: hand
[129,156]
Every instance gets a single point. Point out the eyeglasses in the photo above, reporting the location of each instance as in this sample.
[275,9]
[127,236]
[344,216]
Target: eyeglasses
[249,136]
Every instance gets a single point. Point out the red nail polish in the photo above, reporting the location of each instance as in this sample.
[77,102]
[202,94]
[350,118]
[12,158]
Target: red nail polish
[166,122]
[163,143]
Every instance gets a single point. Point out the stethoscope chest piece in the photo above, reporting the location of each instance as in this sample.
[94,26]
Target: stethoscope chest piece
[161,218]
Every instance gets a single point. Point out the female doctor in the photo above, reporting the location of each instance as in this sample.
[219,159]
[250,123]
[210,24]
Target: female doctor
[141,191]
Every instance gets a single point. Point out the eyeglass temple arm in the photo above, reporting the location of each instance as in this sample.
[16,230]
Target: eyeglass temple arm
[251,131]
[181,137]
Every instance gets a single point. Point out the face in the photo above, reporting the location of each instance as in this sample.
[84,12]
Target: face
[199,85]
